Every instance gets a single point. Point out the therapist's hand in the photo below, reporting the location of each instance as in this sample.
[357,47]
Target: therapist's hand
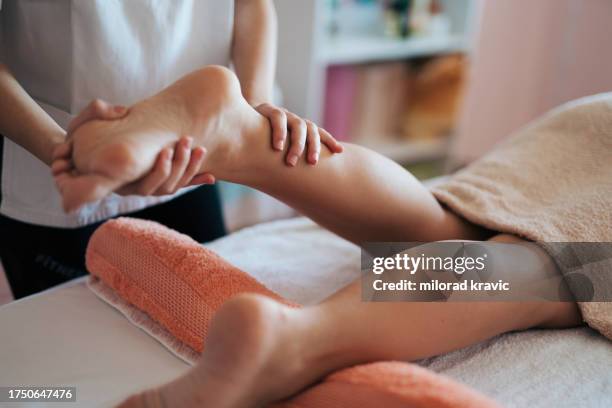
[301,133]
[176,167]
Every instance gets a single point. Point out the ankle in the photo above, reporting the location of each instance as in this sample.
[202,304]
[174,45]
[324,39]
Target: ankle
[319,346]
[241,156]
[340,345]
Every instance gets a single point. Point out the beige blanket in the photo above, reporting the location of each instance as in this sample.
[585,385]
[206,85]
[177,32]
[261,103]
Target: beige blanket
[550,182]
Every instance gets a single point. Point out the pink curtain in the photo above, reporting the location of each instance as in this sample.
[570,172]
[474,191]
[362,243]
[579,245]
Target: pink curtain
[530,56]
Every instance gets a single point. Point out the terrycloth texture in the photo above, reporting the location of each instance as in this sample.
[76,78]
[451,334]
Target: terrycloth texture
[168,276]
[551,182]
[390,385]
[170,286]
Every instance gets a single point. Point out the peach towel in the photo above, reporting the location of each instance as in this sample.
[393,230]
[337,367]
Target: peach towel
[389,384]
[551,182]
[168,278]
[171,286]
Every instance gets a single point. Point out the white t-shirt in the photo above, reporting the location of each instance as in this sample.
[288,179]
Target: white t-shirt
[67,52]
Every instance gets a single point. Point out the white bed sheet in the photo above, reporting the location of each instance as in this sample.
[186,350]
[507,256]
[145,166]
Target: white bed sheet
[67,336]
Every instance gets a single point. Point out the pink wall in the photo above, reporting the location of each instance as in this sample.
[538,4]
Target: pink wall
[529,57]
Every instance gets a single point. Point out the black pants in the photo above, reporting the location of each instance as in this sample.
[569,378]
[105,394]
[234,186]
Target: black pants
[36,258]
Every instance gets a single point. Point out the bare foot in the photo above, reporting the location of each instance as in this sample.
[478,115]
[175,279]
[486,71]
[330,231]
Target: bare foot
[258,351]
[206,104]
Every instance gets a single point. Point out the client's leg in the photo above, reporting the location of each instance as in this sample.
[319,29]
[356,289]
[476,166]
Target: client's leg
[260,351]
[359,194]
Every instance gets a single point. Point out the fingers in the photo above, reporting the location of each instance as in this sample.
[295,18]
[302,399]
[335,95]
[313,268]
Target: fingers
[97,109]
[160,173]
[195,164]
[301,132]
[154,179]
[185,168]
[182,154]
[174,169]
[204,178]
[61,160]
[62,151]
[298,129]
[314,142]
[278,122]
[60,166]
[328,140]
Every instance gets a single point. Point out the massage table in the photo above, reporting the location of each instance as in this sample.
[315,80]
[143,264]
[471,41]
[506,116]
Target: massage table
[66,336]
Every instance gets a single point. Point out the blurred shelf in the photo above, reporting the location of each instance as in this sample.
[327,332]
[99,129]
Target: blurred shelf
[360,49]
[411,151]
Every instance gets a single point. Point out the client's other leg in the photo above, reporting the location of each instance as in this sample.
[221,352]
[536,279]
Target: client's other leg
[259,351]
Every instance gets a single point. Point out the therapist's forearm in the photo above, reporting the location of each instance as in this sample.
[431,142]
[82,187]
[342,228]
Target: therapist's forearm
[254,48]
[24,122]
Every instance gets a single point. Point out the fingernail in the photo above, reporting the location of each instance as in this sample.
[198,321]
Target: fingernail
[292,160]
[278,145]
[315,158]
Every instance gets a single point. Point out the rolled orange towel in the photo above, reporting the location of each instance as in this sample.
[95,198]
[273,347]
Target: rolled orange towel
[165,282]
[389,384]
[171,286]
